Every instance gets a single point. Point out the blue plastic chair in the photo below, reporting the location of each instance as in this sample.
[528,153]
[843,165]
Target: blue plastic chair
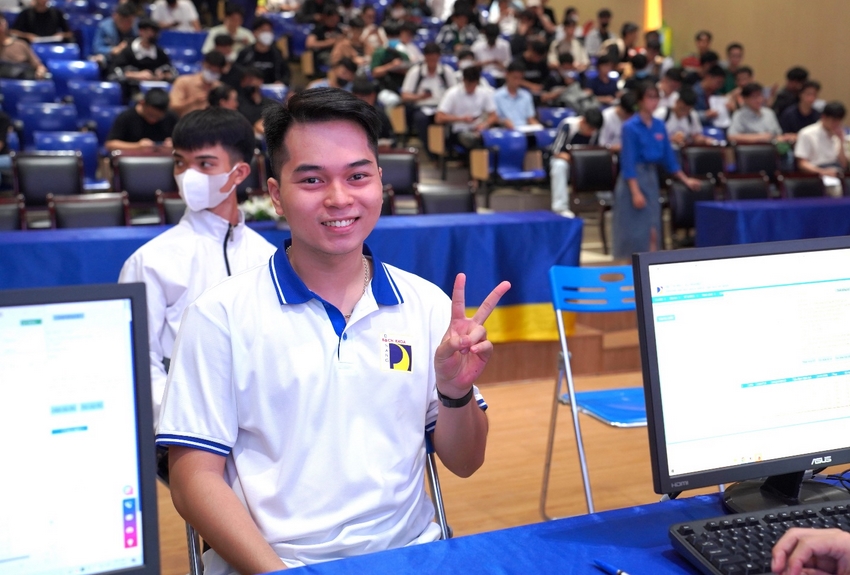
[65,70]
[84,142]
[19,91]
[183,54]
[182,40]
[552,117]
[88,93]
[590,290]
[84,27]
[274,91]
[104,117]
[56,51]
[508,148]
[146,85]
[37,116]
[545,138]
[186,67]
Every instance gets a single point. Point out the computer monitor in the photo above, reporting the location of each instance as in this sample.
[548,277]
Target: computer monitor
[746,366]
[78,486]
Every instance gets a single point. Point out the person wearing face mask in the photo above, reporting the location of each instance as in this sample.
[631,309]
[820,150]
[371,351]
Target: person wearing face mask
[212,152]
[251,100]
[264,55]
[179,15]
[141,60]
[340,76]
[231,73]
[224,96]
[190,92]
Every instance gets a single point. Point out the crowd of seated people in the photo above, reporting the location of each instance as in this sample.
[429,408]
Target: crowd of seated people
[468,65]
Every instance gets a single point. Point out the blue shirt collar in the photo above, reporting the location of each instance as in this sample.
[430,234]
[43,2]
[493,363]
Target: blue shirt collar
[291,290]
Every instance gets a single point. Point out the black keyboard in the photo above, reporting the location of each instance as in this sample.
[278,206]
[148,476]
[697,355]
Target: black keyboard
[740,544]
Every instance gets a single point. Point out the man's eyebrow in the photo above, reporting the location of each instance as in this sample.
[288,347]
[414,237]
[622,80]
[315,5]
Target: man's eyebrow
[316,167]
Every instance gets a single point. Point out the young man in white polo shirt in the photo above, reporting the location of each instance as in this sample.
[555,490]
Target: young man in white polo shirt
[300,393]
[213,149]
[820,148]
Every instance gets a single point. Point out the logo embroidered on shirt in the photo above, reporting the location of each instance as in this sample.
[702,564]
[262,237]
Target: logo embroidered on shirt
[398,353]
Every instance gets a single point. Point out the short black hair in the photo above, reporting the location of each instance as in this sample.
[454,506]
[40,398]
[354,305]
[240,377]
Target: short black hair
[593,117]
[702,33]
[348,64]
[675,74]
[628,28]
[465,53]
[356,22]
[147,23]
[260,22]
[364,87]
[750,89]
[471,74]
[409,27]
[231,8]
[639,62]
[312,107]
[716,71]
[734,46]
[223,40]
[744,70]
[330,10]
[491,30]
[539,47]
[566,58]
[516,66]
[709,57]
[431,48]
[219,93]
[604,13]
[643,88]
[604,60]
[253,71]
[124,10]
[687,96]
[216,127]
[628,102]
[797,74]
[834,109]
[215,59]
[392,29]
[811,84]
[653,44]
[156,98]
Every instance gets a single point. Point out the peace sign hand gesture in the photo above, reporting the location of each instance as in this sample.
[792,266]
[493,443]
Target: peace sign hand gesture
[462,354]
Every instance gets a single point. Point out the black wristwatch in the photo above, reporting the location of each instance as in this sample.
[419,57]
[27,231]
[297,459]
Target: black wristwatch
[451,402]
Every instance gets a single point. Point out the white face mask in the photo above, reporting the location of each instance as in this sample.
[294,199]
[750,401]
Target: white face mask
[265,38]
[201,191]
[210,77]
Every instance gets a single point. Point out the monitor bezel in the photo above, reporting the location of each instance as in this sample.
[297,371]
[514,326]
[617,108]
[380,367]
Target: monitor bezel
[662,482]
[135,292]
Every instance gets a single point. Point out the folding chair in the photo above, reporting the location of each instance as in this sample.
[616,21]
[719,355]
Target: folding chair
[593,174]
[682,203]
[745,187]
[12,214]
[505,161]
[704,161]
[89,210]
[795,186]
[400,167]
[194,543]
[757,159]
[602,289]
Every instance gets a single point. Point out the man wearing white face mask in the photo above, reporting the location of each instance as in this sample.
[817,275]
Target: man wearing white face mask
[190,92]
[212,152]
[264,55]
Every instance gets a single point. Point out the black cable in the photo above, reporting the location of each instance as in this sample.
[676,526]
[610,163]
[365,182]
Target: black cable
[227,237]
[842,479]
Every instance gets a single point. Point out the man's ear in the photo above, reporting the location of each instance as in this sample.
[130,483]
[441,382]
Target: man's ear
[240,173]
[274,194]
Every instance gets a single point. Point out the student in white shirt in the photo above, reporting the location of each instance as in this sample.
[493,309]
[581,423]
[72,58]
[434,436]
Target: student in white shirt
[469,108]
[820,147]
[492,53]
[300,391]
[681,120]
[212,154]
[611,134]
[424,86]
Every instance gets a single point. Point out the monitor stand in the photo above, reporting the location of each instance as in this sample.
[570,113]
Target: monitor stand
[779,491]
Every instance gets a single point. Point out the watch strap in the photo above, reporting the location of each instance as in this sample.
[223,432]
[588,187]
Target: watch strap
[452,402]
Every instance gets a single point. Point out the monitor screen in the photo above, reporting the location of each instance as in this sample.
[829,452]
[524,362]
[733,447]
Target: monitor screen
[78,491]
[746,362]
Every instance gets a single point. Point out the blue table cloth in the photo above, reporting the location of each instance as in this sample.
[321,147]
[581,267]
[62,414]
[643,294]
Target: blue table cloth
[746,222]
[519,247]
[633,539]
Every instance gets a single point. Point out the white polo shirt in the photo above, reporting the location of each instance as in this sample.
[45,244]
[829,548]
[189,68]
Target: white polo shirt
[500,51]
[817,145]
[688,125]
[179,265]
[417,80]
[322,422]
[457,102]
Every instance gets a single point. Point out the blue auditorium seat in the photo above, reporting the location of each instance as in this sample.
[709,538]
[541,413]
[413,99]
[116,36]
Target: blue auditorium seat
[104,117]
[84,142]
[88,93]
[19,91]
[508,148]
[38,116]
[65,70]
[552,117]
[274,91]
[56,51]
[183,54]
[175,39]
[84,27]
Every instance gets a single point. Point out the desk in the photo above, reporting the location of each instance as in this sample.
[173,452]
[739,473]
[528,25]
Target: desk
[633,539]
[519,247]
[725,223]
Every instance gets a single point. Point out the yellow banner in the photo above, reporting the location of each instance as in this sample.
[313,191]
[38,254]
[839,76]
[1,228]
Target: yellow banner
[526,322]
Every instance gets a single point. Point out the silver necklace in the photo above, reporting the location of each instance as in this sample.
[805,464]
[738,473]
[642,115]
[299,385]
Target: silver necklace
[365,276]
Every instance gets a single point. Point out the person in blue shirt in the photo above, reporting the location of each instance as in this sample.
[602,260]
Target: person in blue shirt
[114,34]
[637,212]
[514,104]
